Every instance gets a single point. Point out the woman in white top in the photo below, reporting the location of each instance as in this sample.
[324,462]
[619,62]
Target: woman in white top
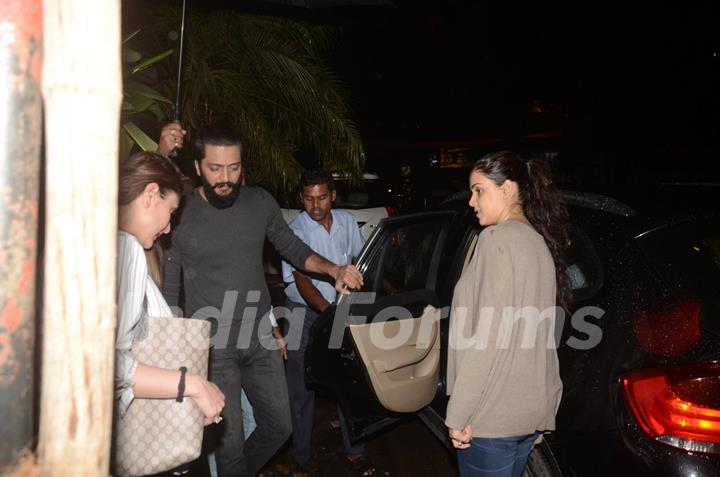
[149,191]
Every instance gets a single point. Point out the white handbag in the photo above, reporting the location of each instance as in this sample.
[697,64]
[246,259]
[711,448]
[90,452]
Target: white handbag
[156,435]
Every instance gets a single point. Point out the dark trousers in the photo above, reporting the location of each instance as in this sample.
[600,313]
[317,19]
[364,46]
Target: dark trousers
[259,371]
[302,399]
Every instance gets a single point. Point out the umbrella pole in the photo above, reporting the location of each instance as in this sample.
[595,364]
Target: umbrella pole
[180,62]
[176,119]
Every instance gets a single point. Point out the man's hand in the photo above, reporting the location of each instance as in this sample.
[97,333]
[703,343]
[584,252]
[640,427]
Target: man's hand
[172,136]
[310,294]
[281,341]
[347,277]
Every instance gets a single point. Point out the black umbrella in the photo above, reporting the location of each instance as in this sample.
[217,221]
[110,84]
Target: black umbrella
[290,3]
[329,3]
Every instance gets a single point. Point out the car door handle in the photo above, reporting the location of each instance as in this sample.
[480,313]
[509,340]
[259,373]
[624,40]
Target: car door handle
[406,355]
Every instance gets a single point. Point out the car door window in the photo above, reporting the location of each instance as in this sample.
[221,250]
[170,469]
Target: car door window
[584,268]
[405,262]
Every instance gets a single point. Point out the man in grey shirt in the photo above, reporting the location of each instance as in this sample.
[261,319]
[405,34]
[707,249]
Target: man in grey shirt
[216,254]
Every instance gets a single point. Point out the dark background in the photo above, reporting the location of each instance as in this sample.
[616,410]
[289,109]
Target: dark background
[456,69]
[617,96]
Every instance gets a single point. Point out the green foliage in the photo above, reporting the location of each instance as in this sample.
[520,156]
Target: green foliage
[269,77]
[139,99]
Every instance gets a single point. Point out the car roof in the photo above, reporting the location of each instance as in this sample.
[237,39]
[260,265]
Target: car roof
[571,198]
[367,176]
[650,215]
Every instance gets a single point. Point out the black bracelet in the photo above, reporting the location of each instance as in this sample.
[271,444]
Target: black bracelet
[181,385]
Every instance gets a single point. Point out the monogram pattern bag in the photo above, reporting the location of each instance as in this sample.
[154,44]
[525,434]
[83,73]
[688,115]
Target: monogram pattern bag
[156,435]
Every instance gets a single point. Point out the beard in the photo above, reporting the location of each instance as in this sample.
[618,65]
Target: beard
[220,201]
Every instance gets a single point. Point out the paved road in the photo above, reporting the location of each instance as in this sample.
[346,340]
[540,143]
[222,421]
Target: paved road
[408,449]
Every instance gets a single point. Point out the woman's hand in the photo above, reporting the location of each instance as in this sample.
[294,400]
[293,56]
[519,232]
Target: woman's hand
[461,439]
[207,396]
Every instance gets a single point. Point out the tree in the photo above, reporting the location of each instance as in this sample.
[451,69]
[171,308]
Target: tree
[269,77]
[140,100]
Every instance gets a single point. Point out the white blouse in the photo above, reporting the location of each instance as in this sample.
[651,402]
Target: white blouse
[138,297]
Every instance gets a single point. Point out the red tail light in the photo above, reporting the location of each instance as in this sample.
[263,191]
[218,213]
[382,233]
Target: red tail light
[391,211]
[678,405]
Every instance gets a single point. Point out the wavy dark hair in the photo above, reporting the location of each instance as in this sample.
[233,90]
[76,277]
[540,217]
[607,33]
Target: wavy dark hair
[541,204]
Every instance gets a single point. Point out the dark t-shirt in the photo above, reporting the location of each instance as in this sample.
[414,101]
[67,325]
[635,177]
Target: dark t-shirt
[220,254]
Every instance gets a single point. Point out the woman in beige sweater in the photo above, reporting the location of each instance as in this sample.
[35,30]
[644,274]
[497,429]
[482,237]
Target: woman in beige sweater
[503,377]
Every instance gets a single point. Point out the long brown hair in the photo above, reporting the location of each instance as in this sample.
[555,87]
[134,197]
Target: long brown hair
[144,168]
[136,172]
[541,204]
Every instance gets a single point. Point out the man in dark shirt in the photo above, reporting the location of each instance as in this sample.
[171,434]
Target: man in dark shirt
[216,252]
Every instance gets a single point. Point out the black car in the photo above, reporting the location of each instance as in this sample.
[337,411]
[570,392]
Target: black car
[639,357]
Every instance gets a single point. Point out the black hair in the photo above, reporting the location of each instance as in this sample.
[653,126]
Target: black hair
[311,177]
[541,204]
[215,135]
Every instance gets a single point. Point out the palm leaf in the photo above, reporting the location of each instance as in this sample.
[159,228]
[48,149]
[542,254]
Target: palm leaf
[269,76]
[151,61]
[139,137]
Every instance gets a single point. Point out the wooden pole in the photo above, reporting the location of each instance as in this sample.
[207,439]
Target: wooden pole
[82,88]
[20,137]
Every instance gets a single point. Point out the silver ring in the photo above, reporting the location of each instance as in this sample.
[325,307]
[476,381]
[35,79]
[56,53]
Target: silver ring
[217,420]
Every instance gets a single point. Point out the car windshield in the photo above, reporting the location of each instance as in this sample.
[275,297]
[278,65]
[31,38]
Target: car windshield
[368,193]
[687,258]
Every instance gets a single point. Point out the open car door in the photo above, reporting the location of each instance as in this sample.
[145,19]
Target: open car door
[378,351]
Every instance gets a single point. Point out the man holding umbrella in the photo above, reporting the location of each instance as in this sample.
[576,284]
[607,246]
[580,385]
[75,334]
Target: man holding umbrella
[216,252]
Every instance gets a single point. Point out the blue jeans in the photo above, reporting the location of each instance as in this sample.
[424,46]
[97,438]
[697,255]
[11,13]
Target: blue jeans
[358,448]
[496,457]
[248,427]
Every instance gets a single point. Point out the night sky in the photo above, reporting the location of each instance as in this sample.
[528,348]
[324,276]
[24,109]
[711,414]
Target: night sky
[631,88]
[633,91]
[466,69]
